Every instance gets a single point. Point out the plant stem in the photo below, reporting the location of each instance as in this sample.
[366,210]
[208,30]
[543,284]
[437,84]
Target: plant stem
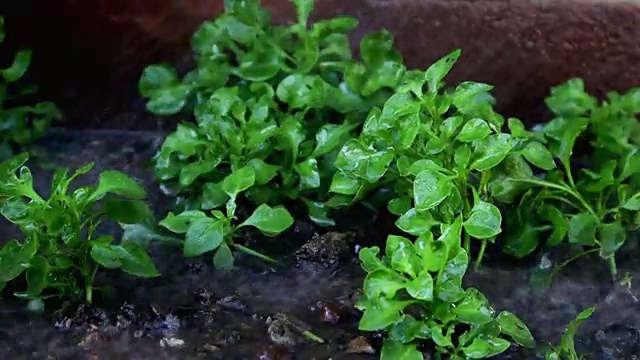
[613,268]
[571,259]
[255,253]
[311,336]
[483,246]
[567,190]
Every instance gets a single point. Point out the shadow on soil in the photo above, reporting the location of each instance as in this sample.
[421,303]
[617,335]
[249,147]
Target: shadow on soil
[260,312]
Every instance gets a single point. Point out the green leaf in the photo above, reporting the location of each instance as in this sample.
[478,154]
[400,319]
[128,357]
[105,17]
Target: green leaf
[180,223]
[136,261]
[402,255]
[538,155]
[449,285]
[119,183]
[381,314]
[261,64]
[421,288]
[450,125]
[204,235]
[582,228]
[430,188]
[438,70]
[563,133]
[559,224]
[484,222]
[416,223]
[433,253]
[19,67]
[366,163]
[382,282]
[633,203]
[126,211]
[15,258]
[239,181]
[566,341]
[328,138]
[490,151]
[369,258]
[485,348]
[36,276]
[303,9]
[512,326]
[345,184]
[392,350]
[318,213]
[213,196]
[106,255]
[474,309]
[223,259]
[309,173]
[612,236]
[270,221]
[473,130]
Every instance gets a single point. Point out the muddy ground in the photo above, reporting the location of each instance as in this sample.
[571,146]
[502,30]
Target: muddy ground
[257,311]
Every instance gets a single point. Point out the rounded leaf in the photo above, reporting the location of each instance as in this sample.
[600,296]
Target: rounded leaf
[484,222]
[270,221]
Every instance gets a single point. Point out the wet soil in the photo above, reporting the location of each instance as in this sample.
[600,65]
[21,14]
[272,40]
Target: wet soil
[258,311]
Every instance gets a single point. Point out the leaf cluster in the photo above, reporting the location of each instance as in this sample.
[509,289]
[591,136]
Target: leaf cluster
[280,99]
[61,251]
[20,125]
[593,202]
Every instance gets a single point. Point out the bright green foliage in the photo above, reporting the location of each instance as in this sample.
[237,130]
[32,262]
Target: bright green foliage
[60,253]
[435,153]
[415,293]
[593,205]
[280,99]
[567,350]
[215,231]
[20,125]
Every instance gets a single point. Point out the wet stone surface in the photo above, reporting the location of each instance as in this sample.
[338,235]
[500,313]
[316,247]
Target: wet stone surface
[303,310]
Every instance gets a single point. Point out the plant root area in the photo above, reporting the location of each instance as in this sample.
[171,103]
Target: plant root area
[300,309]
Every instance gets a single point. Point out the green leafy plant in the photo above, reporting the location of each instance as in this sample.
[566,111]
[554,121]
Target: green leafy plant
[566,350]
[434,153]
[20,125]
[592,205]
[61,252]
[281,99]
[205,233]
[415,293]
[431,153]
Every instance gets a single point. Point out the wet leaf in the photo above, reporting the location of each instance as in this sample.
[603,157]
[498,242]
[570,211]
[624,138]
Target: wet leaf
[430,188]
[438,70]
[416,223]
[490,151]
[485,348]
[270,221]
[392,350]
[204,235]
[421,287]
[484,221]
[473,130]
[381,314]
[382,282]
[239,181]
[538,155]
[474,308]
[119,183]
[512,326]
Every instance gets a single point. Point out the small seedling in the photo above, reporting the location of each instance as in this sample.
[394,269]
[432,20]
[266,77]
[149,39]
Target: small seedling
[61,251]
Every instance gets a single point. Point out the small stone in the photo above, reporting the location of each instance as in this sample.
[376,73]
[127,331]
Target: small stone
[360,345]
[171,342]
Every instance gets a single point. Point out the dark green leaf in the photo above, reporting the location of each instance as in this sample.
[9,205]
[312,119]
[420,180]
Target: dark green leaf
[223,259]
[136,261]
[612,236]
[119,183]
[563,133]
[180,223]
[512,326]
[582,228]
[204,235]
[36,276]
[126,211]
[15,258]
[19,67]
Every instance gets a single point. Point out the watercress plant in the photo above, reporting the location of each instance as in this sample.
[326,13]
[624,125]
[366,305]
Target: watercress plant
[20,125]
[61,251]
[281,99]
[215,231]
[592,203]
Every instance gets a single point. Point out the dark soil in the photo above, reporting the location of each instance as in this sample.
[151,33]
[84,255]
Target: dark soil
[258,311]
